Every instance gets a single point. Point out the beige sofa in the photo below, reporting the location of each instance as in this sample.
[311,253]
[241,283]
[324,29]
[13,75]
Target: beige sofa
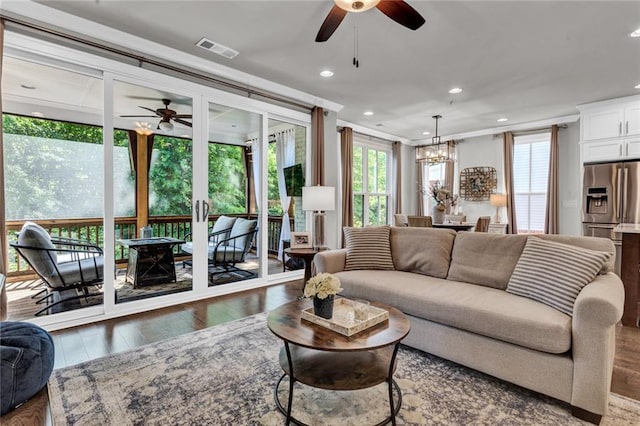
[452,286]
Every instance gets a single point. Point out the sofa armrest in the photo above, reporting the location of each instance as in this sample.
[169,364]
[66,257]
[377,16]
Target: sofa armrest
[330,261]
[596,311]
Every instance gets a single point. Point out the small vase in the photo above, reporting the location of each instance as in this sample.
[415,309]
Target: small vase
[437,215]
[323,307]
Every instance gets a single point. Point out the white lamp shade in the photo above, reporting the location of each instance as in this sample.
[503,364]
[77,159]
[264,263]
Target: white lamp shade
[318,198]
[498,200]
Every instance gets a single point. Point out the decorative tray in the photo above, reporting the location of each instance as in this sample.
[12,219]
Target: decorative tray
[343,320]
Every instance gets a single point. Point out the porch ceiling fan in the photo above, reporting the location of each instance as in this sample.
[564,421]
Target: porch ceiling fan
[166,116]
[397,10]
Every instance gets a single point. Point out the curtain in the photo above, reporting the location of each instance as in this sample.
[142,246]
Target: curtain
[507,147]
[551,216]
[317,145]
[3,224]
[449,175]
[285,157]
[397,175]
[420,184]
[346,151]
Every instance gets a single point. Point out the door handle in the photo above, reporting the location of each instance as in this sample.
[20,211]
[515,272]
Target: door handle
[624,194]
[620,129]
[197,210]
[205,210]
[618,196]
[626,132]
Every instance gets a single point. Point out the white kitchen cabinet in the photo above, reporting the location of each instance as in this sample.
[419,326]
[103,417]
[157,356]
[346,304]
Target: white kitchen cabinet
[610,130]
[609,150]
[610,119]
[602,124]
[632,119]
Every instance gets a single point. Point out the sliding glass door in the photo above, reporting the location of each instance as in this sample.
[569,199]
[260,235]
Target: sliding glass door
[153,192]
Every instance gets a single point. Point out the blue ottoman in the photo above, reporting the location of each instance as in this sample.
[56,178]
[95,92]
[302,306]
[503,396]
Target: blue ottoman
[26,362]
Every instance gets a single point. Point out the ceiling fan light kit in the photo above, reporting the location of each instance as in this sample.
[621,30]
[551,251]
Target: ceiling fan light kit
[356,6]
[165,126]
[397,10]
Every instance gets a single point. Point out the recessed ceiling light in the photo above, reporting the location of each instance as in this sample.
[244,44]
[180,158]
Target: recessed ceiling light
[425,133]
[326,73]
[27,86]
[379,125]
[636,33]
[503,119]
[637,86]
[368,113]
[37,114]
[455,90]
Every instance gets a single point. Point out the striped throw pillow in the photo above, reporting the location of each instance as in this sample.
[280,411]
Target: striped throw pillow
[554,273]
[368,248]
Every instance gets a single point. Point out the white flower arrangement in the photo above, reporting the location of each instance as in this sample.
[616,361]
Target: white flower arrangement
[322,286]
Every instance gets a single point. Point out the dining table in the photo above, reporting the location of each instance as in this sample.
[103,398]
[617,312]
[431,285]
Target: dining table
[464,226]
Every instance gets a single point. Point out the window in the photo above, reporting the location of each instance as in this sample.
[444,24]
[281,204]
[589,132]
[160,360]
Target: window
[530,175]
[431,173]
[371,191]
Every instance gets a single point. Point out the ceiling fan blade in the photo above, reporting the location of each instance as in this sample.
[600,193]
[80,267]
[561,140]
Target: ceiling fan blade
[402,13]
[182,115]
[330,24]
[184,123]
[152,110]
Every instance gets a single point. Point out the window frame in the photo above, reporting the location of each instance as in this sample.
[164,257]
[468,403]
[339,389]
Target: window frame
[529,140]
[365,193]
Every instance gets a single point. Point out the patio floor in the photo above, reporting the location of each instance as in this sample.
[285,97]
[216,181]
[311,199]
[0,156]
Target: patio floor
[21,302]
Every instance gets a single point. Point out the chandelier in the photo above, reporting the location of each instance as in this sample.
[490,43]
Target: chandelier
[437,152]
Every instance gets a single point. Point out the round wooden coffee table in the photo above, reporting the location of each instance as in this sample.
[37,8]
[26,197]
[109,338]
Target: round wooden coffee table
[321,358]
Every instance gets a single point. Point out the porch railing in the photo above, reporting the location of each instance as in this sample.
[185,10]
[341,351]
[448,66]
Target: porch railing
[92,230]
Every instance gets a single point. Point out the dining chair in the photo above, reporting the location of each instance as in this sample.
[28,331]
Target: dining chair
[482,225]
[420,221]
[400,220]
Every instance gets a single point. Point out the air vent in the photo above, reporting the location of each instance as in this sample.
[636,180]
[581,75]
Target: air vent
[217,48]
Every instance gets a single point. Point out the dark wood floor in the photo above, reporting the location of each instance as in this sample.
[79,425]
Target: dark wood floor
[108,337]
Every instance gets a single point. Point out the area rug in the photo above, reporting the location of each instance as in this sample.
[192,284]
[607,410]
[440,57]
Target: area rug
[225,375]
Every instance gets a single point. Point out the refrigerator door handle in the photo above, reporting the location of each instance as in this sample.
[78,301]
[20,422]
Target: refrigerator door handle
[619,195]
[624,195]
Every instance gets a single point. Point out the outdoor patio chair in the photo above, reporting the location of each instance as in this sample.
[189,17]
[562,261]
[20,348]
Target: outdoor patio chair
[221,230]
[61,263]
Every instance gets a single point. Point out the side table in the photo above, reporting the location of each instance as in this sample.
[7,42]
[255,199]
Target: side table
[306,254]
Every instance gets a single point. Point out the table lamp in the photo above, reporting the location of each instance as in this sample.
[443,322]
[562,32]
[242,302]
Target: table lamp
[498,200]
[318,199]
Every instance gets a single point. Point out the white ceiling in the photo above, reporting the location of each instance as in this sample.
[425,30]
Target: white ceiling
[525,60]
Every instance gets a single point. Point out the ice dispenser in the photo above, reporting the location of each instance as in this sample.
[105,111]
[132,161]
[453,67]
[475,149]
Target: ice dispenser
[597,200]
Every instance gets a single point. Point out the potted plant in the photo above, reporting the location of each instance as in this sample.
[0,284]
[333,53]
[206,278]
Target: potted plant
[441,196]
[322,288]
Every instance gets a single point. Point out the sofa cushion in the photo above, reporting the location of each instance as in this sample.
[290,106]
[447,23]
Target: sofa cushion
[221,224]
[368,248]
[43,261]
[241,227]
[485,259]
[554,273]
[486,311]
[425,251]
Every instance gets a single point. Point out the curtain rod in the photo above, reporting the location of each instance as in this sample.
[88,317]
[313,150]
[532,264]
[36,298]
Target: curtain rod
[532,131]
[143,59]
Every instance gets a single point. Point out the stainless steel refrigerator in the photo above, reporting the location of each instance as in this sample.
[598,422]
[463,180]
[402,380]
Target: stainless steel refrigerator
[611,195]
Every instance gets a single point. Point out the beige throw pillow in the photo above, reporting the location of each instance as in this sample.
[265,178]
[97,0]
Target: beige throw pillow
[554,273]
[368,248]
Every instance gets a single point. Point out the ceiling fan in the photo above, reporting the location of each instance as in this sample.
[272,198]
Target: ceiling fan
[397,10]
[166,116]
